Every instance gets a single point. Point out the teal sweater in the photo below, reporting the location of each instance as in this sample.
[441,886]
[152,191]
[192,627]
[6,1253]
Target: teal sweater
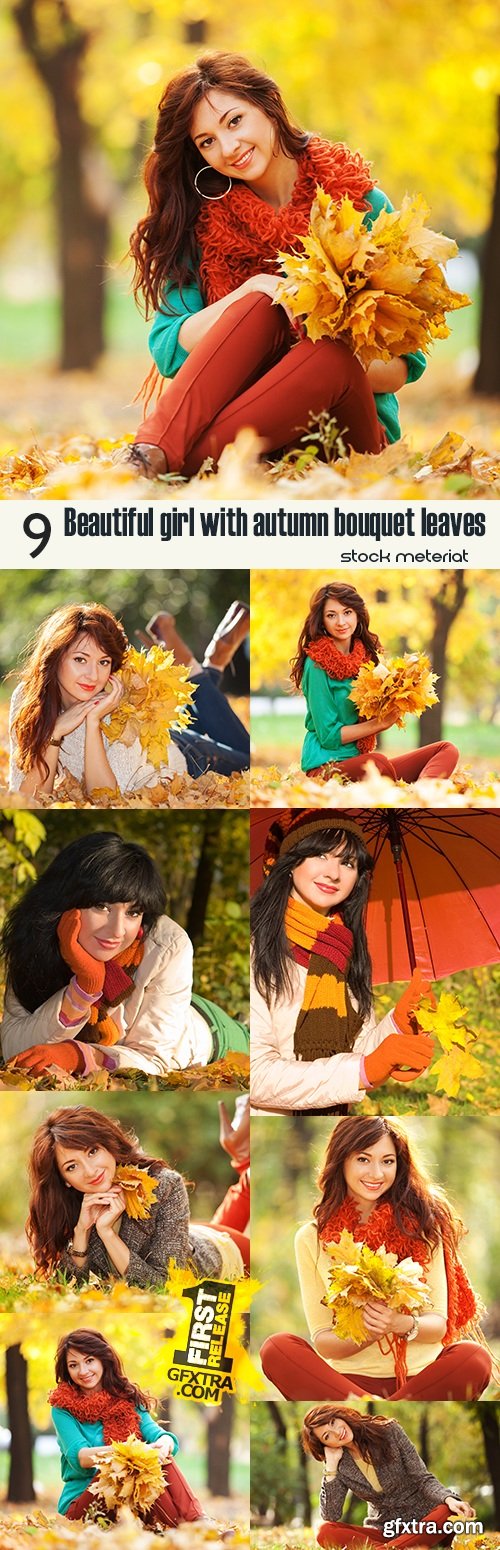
[328,710]
[73,1435]
[169,354]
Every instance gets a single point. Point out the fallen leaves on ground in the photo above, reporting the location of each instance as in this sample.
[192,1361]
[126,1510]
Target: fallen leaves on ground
[208,791]
[57,1533]
[272,787]
[232,1070]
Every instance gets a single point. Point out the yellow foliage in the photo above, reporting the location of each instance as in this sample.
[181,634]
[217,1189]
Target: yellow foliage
[293,788]
[380,289]
[139,1189]
[127,1534]
[156,694]
[359,1274]
[404,686]
[131,1477]
[453,1067]
[445,1022]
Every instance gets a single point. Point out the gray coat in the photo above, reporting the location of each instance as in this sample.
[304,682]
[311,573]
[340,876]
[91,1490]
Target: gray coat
[408,1489]
[162,1236]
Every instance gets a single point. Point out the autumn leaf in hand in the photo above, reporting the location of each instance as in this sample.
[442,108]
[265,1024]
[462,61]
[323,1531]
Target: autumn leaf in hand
[358,1275]
[138,1188]
[443,1022]
[132,1476]
[156,695]
[453,1067]
[400,687]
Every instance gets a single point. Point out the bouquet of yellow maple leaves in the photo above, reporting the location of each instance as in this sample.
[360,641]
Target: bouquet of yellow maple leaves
[132,1476]
[446,1022]
[138,1188]
[156,694]
[381,289]
[359,1275]
[404,686]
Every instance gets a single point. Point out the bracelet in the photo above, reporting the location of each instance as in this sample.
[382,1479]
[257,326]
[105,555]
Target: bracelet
[55,742]
[78,1253]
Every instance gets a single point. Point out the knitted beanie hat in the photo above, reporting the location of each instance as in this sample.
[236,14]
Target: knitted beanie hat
[297,824]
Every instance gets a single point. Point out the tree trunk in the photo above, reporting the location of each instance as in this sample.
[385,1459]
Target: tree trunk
[20,1487]
[202,887]
[81,198]
[487,378]
[220,1425]
[488,1419]
[445,606]
[304,1495]
[423,1447]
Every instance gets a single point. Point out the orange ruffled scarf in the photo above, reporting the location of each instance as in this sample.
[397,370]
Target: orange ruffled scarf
[341,665]
[118,985]
[327,1023]
[464,1308]
[118,1415]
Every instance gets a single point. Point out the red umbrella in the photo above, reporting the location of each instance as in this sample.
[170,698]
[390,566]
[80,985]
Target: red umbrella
[435,894]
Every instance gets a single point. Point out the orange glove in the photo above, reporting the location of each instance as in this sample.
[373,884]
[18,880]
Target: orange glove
[90,974]
[399,1049]
[66,1055]
[405,1010]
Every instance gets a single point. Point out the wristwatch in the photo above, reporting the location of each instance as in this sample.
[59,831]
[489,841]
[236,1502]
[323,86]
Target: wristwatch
[55,742]
[413,1332]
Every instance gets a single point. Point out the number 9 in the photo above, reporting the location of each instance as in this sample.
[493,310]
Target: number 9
[37,526]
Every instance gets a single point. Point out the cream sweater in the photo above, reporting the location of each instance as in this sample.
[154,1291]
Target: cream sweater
[159,1029]
[313,1264]
[130,766]
[279,1082]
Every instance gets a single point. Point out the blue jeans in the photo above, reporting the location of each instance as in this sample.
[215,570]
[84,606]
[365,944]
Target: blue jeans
[216,739]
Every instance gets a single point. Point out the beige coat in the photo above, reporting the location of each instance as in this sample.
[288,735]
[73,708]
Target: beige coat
[159,1029]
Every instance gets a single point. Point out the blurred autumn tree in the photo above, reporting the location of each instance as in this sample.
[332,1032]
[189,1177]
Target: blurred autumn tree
[415,89]
[449,614]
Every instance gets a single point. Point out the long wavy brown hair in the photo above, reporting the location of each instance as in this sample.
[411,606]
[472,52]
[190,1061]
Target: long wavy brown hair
[114,1380]
[163,244]
[368,1431]
[421,1210]
[40,699]
[314,626]
[54,1207]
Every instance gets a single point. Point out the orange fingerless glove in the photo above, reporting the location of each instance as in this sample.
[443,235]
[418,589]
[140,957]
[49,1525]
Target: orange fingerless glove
[405,1010]
[66,1055]
[398,1049]
[89,973]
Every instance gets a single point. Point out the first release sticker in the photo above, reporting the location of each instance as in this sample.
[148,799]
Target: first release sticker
[202,1369]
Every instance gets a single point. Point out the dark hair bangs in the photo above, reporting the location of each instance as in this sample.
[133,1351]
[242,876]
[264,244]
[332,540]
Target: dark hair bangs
[348,846]
[128,878]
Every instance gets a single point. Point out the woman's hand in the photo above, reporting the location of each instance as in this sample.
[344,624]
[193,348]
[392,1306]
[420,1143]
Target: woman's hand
[387,376]
[164,1446]
[380,1320]
[399,1049]
[405,1013]
[458,1508]
[332,1459]
[70,719]
[106,702]
[267,284]
[89,973]
[90,1209]
[113,1206]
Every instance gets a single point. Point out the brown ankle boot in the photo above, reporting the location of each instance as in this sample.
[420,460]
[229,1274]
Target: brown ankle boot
[228,636]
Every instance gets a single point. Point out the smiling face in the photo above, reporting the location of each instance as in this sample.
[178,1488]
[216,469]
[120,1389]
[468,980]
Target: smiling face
[371,1173]
[339,622]
[83,671]
[90,1169]
[83,1370]
[324,881]
[107,929]
[334,1434]
[234,136]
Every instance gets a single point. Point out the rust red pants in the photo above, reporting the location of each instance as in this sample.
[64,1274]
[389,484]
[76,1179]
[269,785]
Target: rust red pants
[433,762]
[332,1534]
[177,1503]
[233,1214]
[245,373]
[462,1371]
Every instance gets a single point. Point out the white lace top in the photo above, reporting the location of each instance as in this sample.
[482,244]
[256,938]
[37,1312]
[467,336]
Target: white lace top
[130,766]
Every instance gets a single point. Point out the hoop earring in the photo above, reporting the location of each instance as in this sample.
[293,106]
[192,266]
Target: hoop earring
[210,197]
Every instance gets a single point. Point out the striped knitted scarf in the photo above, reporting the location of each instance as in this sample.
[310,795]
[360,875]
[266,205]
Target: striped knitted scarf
[118,1415]
[327,1023]
[341,665]
[242,235]
[381,1228]
[118,985]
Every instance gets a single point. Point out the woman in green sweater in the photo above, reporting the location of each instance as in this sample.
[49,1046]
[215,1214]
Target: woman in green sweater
[93,1405]
[333,645]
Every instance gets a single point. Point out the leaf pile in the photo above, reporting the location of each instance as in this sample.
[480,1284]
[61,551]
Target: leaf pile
[380,289]
[208,791]
[446,1023]
[131,1477]
[273,787]
[156,694]
[232,1070]
[402,687]
[139,1189]
[42,1533]
[359,1274]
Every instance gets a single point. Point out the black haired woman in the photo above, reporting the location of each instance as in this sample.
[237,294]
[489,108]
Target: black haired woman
[93,1405]
[314,1042]
[99,976]
[230,183]
[334,643]
[372,1457]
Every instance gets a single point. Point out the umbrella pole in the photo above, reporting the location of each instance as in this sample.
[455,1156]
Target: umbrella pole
[396,848]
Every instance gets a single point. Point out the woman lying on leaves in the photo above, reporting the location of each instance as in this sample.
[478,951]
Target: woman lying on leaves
[231,181]
[71,685]
[94,1404]
[334,643]
[99,1205]
[373,1458]
[99,976]
[372,1189]
[314,1041]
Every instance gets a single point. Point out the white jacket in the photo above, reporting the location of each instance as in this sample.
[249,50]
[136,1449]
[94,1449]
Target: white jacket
[278,1081]
[159,1029]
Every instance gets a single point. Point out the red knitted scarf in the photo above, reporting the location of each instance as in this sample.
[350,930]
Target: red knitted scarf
[118,985]
[241,235]
[382,1229]
[327,1023]
[118,1415]
[339,665]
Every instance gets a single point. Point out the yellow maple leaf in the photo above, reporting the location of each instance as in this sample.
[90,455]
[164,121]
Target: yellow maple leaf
[132,1475]
[452,1067]
[139,1189]
[400,687]
[359,1274]
[442,1022]
[156,695]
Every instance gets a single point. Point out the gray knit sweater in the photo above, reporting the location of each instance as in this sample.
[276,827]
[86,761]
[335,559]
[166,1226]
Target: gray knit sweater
[408,1489]
[164,1235]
